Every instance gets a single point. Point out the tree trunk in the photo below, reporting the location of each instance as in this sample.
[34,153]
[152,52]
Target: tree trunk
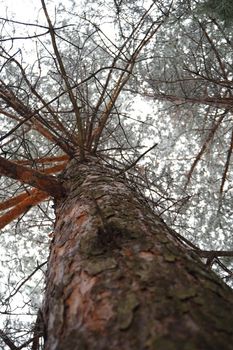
[117,279]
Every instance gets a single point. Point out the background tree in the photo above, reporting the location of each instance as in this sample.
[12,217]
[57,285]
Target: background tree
[220,9]
[193,75]
[88,70]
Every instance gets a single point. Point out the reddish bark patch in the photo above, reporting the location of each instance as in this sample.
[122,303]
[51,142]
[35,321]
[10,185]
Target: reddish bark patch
[146,255]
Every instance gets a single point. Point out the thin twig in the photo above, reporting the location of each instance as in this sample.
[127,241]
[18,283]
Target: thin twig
[137,160]
[8,341]
[24,281]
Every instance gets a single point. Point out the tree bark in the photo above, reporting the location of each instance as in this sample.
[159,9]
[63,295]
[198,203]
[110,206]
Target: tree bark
[37,179]
[117,279]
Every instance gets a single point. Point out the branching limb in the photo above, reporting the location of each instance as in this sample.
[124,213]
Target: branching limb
[66,80]
[204,147]
[31,177]
[123,78]
[211,256]
[38,331]
[38,267]
[33,117]
[219,102]
[137,160]
[7,340]
[24,201]
[9,203]
[44,160]
[58,124]
[22,207]
[227,164]
[215,253]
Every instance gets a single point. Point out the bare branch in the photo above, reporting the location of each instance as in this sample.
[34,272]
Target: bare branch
[28,115]
[31,177]
[137,160]
[66,80]
[38,267]
[204,147]
[8,341]
[227,164]
[22,196]
[22,207]
[43,160]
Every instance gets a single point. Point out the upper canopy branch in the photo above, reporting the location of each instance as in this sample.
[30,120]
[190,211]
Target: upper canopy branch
[32,117]
[66,80]
[31,177]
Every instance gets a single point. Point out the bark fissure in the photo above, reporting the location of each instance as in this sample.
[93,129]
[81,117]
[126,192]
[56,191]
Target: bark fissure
[117,279]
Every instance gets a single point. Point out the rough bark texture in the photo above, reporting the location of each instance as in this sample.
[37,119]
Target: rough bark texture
[118,280]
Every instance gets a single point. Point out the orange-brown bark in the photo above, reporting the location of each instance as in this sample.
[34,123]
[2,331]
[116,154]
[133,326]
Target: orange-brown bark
[15,200]
[54,169]
[43,160]
[24,205]
[31,177]
[117,278]
[24,201]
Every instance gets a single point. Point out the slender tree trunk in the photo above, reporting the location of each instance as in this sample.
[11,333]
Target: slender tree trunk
[117,279]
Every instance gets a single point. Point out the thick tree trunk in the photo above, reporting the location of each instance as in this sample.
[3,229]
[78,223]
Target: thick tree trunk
[118,280]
